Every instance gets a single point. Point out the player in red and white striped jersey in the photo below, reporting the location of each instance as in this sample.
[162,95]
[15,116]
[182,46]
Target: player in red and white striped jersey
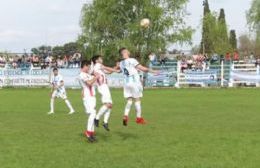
[89,97]
[103,89]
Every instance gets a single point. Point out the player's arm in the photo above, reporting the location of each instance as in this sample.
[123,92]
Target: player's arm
[91,81]
[61,84]
[117,67]
[111,70]
[145,69]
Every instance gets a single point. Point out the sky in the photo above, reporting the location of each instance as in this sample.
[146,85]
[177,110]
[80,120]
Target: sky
[31,23]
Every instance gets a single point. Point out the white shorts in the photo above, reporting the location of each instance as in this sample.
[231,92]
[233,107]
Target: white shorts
[59,94]
[105,94]
[90,105]
[134,90]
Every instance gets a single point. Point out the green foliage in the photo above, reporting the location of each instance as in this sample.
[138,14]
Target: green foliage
[57,51]
[71,48]
[110,24]
[246,44]
[214,32]
[233,39]
[253,15]
[42,50]
[253,18]
[208,22]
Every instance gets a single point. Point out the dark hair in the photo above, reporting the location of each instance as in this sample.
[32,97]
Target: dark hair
[95,58]
[121,49]
[85,63]
[55,69]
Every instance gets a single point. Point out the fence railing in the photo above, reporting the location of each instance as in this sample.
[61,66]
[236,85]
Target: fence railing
[171,75]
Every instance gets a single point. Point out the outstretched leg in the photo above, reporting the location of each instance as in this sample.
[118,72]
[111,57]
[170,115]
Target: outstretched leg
[138,109]
[127,111]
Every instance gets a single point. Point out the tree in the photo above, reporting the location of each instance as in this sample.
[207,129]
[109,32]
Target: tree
[42,51]
[109,25]
[253,19]
[58,51]
[246,44]
[222,26]
[257,44]
[233,39]
[71,48]
[253,15]
[208,25]
[221,40]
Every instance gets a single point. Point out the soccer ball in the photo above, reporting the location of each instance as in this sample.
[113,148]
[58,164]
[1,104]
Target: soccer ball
[145,23]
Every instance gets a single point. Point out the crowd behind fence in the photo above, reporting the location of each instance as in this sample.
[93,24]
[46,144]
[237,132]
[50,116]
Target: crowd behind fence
[172,74]
[32,61]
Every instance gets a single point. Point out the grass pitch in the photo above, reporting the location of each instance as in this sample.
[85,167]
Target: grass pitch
[190,128]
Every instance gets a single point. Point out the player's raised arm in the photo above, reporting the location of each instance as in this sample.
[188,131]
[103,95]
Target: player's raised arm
[145,69]
[111,70]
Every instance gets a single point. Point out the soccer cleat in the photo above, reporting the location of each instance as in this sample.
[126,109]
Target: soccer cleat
[51,112]
[125,120]
[90,137]
[71,112]
[96,122]
[105,125]
[140,121]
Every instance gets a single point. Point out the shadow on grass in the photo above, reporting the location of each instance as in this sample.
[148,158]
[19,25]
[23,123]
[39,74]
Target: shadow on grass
[126,135]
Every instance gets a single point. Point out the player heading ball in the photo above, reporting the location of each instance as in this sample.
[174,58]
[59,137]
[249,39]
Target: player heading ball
[133,88]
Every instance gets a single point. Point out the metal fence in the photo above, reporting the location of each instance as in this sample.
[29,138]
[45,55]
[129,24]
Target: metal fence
[172,74]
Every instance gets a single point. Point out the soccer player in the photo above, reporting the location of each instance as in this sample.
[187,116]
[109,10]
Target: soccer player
[103,89]
[133,89]
[58,91]
[89,99]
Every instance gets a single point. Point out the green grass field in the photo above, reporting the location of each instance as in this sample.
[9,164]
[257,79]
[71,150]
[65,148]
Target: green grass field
[189,128]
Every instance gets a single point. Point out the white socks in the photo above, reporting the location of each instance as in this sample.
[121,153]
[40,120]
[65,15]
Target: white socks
[69,105]
[138,109]
[104,110]
[101,111]
[107,115]
[52,105]
[90,124]
[128,107]
[66,101]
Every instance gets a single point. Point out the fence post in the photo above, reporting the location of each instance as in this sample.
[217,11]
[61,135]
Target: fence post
[258,75]
[177,84]
[222,73]
[231,81]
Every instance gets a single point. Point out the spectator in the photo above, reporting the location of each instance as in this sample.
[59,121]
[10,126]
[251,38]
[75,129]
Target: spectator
[236,56]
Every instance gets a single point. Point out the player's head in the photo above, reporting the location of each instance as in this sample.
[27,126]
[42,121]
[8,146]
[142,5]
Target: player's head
[85,66]
[97,59]
[124,53]
[55,71]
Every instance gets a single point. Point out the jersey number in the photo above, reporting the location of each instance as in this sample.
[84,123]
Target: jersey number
[126,72]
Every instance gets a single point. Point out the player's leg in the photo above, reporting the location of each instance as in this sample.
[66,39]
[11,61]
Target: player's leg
[106,108]
[129,101]
[63,95]
[69,106]
[53,96]
[101,111]
[127,110]
[90,110]
[138,109]
[107,116]
[137,94]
